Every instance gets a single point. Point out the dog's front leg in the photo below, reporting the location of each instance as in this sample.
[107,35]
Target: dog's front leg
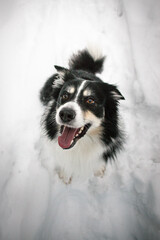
[100,171]
[63,176]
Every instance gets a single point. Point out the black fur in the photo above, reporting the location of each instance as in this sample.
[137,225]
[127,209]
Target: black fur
[84,61]
[49,93]
[50,124]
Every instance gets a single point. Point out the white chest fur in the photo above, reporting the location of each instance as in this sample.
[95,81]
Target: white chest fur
[81,161]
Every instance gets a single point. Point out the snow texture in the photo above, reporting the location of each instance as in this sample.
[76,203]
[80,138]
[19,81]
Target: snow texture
[36,35]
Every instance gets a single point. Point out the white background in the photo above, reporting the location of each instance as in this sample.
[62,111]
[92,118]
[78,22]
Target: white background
[34,36]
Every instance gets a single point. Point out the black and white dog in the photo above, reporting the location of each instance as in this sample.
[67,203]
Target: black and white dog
[81,118]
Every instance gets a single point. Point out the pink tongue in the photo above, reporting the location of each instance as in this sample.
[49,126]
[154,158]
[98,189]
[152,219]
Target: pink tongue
[67,136]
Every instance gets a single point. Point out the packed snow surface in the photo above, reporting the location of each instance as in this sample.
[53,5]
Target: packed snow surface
[34,204]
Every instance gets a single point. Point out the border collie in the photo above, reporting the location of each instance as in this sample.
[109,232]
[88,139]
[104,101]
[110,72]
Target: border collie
[81,118]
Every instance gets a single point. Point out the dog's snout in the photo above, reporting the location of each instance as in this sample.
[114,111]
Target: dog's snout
[67,115]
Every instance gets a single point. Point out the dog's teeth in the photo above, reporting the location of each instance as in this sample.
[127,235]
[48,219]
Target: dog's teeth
[81,129]
[71,141]
[76,135]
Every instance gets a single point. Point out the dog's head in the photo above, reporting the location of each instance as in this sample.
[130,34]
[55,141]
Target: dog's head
[80,104]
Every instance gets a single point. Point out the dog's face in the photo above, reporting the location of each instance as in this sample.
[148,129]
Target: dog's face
[79,107]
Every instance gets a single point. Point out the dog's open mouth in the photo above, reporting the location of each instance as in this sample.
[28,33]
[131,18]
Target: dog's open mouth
[69,136]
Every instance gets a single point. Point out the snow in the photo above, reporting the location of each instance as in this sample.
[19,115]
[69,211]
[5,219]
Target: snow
[34,203]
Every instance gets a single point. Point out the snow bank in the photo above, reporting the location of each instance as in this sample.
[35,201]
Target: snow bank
[34,204]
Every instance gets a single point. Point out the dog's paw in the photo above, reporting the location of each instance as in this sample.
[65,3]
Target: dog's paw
[67,180]
[100,172]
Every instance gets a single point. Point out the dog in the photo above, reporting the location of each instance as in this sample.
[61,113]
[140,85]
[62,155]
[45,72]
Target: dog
[81,118]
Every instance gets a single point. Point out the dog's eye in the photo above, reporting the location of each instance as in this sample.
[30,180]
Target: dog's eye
[65,96]
[90,101]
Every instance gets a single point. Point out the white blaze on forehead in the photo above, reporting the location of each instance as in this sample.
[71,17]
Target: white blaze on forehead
[70,89]
[80,89]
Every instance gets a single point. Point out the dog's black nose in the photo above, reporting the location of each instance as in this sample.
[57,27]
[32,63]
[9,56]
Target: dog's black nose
[67,114]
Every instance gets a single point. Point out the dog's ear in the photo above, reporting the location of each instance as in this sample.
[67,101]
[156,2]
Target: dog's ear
[62,72]
[51,89]
[111,91]
[61,69]
[116,94]
[53,85]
